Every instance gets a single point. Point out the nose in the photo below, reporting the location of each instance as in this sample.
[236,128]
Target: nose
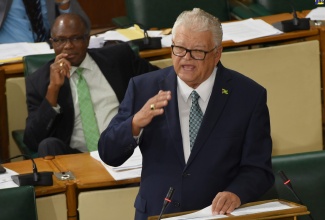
[68,44]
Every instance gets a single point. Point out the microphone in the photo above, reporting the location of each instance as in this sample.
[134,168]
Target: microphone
[294,24]
[167,201]
[34,179]
[2,169]
[146,42]
[287,183]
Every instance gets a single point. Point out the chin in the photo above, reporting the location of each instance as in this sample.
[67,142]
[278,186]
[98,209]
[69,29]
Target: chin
[75,63]
[187,75]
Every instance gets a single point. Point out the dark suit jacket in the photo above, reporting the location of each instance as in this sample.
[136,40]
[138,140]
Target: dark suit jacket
[232,151]
[51,10]
[117,63]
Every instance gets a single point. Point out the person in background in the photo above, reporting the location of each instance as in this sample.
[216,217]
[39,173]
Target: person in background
[30,20]
[79,90]
[202,128]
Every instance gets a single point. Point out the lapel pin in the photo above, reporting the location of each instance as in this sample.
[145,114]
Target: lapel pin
[224,91]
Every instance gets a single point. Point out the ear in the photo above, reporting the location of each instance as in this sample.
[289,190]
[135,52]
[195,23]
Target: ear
[218,54]
[88,40]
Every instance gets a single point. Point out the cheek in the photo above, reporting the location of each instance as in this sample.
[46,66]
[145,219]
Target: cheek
[176,64]
[57,50]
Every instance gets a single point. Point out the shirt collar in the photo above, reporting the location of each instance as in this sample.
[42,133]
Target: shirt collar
[204,89]
[85,64]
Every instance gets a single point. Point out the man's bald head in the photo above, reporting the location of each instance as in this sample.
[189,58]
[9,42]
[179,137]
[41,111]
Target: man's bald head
[70,20]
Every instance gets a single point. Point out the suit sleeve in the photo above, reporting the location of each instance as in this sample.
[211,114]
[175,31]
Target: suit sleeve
[116,143]
[41,115]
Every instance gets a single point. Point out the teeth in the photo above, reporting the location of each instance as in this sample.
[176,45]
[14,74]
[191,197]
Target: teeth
[187,67]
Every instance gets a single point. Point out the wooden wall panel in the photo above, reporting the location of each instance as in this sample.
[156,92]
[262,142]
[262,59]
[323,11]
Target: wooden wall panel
[100,12]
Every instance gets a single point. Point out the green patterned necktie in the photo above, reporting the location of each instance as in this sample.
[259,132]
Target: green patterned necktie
[87,113]
[196,117]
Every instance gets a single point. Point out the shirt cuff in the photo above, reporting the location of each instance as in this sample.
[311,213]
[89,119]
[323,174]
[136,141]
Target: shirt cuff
[136,138]
[58,109]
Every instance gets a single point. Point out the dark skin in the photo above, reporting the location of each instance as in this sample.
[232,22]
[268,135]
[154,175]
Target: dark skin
[68,54]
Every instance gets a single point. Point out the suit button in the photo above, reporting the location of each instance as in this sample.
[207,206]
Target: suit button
[186,174]
[177,204]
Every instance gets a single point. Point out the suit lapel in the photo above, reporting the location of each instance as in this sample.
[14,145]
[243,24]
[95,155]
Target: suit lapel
[220,93]
[172,114]
[107,68]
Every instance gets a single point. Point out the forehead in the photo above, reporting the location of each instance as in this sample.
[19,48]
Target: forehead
[68,27]
[187,37]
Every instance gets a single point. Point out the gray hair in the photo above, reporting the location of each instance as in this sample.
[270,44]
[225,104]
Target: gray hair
[198,21]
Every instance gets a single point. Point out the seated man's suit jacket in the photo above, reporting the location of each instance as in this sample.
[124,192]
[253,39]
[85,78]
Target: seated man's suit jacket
[232,151]
[117,63]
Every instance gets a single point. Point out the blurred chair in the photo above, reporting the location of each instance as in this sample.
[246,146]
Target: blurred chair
[107,203]
[16,103]
[52,207]
[242,9]
[18,203]
[306,178]
[286,6]
[17,113]
[162,14]
[33,62]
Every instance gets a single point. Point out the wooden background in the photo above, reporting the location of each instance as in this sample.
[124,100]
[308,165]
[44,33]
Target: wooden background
[100,12]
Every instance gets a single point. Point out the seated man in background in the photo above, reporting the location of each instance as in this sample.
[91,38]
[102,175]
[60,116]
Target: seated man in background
[60,120]
[202,128]
[30,20]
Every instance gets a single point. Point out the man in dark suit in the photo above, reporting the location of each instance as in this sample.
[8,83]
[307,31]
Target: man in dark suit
[16,25]
[54,125]
[229,162]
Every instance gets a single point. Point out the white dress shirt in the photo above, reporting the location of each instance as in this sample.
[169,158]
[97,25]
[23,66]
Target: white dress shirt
[185,102]
[104,100]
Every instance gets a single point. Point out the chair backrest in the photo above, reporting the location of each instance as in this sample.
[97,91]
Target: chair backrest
[33,62]
[111,203]
[282,6]
[17,112]
[293,84]
[16,103]
[306,178]
[18,203]
[162,14]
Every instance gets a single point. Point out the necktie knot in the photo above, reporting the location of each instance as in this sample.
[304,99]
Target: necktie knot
[195,97]
[79,71]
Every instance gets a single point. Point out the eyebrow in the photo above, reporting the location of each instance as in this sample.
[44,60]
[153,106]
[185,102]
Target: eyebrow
[201,47]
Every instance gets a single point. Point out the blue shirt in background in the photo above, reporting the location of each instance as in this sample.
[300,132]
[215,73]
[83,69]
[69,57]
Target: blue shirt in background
[17,27]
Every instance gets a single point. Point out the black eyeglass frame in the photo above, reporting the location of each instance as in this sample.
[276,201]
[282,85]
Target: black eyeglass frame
[72,40]
[190,51]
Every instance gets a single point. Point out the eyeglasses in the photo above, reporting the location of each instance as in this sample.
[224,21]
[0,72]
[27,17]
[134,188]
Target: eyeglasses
[73,40]
[195,54]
